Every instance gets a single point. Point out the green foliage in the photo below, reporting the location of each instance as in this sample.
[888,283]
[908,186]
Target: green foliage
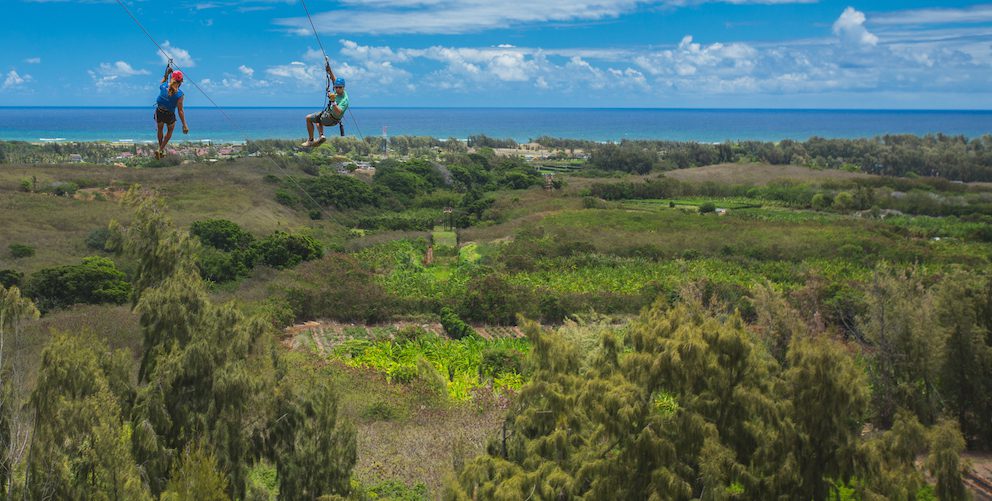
[316,452]
[491,299]
[219,266]
[10,278]
[335,287]
[724,425]
[944,461]
[19,251]
[221,234]
[196,477]
[80,448]
[342,192]
[456,365]
[707,207]
[628,157]
[454,326]
[285,250]
[394,490]
[96,280]
[97,239]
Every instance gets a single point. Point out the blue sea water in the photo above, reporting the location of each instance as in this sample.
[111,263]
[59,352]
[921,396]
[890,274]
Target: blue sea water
[521,124]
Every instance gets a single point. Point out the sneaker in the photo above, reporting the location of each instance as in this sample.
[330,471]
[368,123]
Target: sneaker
[320,141]
[308,143]
[158,154]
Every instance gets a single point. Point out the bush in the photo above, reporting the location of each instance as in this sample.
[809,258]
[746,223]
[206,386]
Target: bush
[221,234]
[96,280]
[820,201]
[499,361]
[455,327]
[287,198]
[285,250]
[97,239]
[490,299]
[707,207]
[10,278]
[219,266]
[335,287]
[380,411]
[64,189]
[410,334]
[18,251]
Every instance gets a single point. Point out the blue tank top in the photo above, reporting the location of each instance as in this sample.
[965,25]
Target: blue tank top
[165,100]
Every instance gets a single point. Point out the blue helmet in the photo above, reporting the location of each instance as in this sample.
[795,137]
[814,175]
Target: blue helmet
[339,82]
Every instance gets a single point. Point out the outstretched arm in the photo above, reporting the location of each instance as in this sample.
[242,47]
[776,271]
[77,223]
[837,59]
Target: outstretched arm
[168,71]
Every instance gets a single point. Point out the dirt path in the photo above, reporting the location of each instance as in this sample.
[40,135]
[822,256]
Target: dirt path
[979,479]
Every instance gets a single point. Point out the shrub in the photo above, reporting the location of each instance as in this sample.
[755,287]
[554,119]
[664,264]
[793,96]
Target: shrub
[18,251]
[96,280]
[335,287]
[97,239]
[844,201]
[454,326]
[64,189]
[707,207]
[221,234]
[285,250]
[497,361]
[10,278]
[820,201]
[219,266]
[490,299]
[287,198]
[410,334]
[380,411]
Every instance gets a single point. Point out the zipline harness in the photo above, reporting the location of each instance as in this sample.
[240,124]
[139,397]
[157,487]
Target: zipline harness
[229,119]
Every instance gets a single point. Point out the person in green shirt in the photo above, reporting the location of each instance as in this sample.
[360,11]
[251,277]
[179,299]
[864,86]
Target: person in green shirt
[337,104]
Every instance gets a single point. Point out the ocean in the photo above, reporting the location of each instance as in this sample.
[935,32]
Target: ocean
[521,124]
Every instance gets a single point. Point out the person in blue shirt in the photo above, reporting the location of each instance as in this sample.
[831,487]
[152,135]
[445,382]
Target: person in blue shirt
[337,104]
[170,98]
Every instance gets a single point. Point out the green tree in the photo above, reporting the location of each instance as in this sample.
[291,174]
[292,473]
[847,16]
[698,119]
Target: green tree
[944,461]
[316,451]
[15,429]
[96,280]
[966,368]
[221,234]
[285,250]
[196,477]
[80,448]
[900,325]
[829,395]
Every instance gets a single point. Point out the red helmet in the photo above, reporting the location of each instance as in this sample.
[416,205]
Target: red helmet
[177,76]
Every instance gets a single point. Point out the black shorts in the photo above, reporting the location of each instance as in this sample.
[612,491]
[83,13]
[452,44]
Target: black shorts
[165,116]
[323,118]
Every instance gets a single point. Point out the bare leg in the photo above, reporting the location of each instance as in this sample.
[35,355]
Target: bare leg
[168,136]
[160,126]
[320,129]
[309,128]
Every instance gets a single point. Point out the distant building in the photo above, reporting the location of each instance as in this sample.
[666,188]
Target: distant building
[76,158]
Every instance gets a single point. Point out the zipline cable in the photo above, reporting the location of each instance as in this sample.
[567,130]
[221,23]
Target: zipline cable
[324,52]
[219,108]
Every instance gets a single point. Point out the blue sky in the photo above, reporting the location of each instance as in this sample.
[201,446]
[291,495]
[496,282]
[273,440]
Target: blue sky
[573,53]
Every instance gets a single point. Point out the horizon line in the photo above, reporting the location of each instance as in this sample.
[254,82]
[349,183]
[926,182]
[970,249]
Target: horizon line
[622,108]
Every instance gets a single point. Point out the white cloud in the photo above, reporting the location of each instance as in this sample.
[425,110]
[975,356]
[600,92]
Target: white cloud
[464,16]
[245,70]
[850,28]
[108,74]
[972,14]
[14,79]
[33,60]
[180,56]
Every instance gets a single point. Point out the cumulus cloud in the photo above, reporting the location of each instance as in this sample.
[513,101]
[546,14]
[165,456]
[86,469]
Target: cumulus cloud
[850,28]
[110,73]
[14,79]
[246,71]
[180,56]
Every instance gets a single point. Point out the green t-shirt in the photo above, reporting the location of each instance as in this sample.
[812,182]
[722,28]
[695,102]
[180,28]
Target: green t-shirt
[342,102]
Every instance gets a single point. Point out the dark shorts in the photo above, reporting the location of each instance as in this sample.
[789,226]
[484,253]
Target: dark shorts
[323,118]
[165,116]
